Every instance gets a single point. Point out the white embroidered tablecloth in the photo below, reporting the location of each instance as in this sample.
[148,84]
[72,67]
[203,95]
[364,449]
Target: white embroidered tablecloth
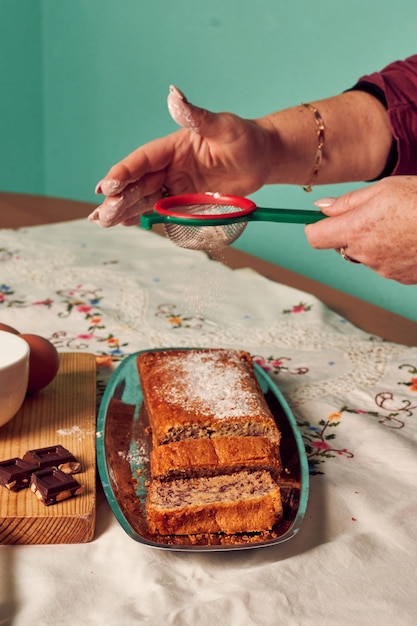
[114,292]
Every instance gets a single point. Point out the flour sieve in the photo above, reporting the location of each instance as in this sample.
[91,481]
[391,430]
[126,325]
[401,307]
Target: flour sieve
[206,221]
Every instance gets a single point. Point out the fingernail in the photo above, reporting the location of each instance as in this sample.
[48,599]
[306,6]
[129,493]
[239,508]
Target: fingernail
[94,216]
[105,215]
[98,190]
[324,202]
[177,93]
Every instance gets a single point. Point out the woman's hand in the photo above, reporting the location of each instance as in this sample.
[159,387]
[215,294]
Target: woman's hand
[214,152]
[375,225]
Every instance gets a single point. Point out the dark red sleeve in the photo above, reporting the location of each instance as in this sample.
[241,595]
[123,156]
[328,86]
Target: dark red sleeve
[398,84]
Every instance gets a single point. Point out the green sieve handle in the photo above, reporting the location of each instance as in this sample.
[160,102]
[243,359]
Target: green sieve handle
[291,216]
[150,218]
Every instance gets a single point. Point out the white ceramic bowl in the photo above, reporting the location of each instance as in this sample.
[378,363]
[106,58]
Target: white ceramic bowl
[14,372]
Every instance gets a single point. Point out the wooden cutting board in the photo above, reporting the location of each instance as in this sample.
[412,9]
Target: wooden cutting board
[63,413]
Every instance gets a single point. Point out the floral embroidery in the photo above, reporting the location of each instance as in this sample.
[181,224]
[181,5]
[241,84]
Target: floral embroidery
[412,383]
[319,442]
[83,300]
[114,347]
[4,292]
[178,320]
[302,307]
[274,365]
[391,414]
[319,439]
[86,302]
[48,303]
[394,410]
[5,297]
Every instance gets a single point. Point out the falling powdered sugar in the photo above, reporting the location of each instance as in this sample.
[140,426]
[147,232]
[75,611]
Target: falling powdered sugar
[202,288]
[200,294]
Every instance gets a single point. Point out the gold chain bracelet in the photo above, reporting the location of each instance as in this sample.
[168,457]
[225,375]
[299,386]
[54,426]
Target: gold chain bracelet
[320,144]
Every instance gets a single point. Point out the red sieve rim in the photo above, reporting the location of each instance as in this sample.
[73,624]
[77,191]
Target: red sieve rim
[167,206]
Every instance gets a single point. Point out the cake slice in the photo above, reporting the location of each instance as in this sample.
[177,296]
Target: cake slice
[210,457]
[235,503]
[203,393]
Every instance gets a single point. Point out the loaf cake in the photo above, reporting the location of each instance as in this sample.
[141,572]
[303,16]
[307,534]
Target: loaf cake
[242,502]
[203,393]
[210,457]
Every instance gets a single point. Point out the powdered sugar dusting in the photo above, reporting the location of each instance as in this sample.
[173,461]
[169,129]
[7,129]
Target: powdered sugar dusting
[75,430]
[204,381]
[137,455]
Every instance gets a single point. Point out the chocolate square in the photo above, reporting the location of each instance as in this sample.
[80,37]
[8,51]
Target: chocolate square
[51,485]
[15,473]
[53,456]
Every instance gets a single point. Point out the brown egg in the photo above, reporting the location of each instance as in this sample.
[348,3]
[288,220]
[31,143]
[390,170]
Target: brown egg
[43,361]
[9,329]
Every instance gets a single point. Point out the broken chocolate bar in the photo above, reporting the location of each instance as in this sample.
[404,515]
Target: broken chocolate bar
[15,473]
[53,456]
[51,485]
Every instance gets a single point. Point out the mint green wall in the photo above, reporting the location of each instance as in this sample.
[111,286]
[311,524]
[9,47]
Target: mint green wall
[21,113]
[103,77]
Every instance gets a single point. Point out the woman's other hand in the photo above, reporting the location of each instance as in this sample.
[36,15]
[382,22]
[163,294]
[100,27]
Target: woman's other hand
[375,225]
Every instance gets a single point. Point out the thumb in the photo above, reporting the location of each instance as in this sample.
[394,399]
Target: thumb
[346,202]
[188,115]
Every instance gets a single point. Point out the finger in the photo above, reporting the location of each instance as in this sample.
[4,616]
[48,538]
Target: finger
[106,215]
[183,112]
[133,221]
[347,202]
[116,209]
[328,233]
[132,217]
[152,157]
[112,186]
[192,117]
